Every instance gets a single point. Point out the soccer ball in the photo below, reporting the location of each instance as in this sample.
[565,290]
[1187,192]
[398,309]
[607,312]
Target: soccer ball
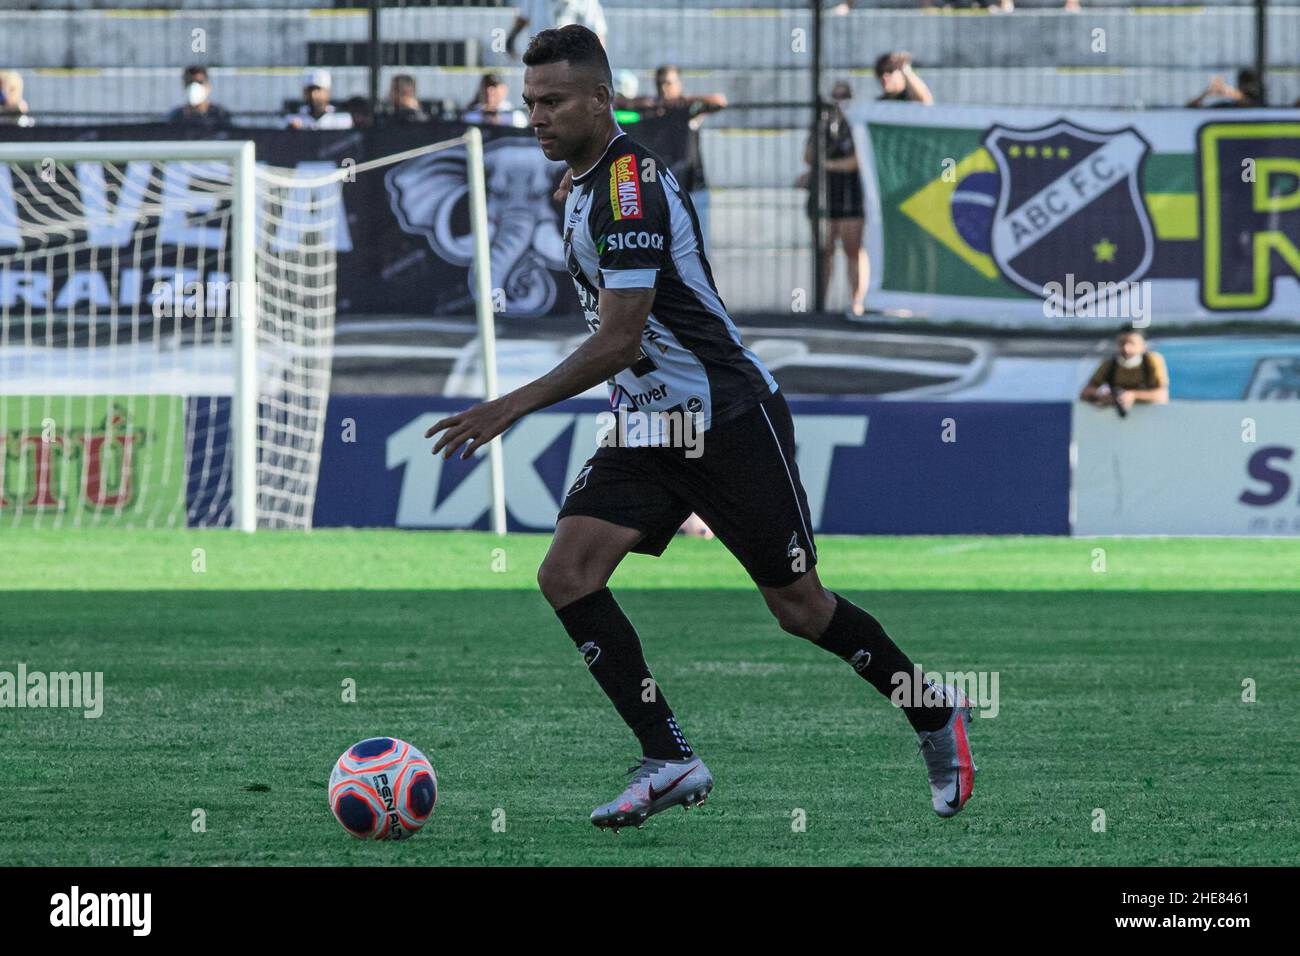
[382,789]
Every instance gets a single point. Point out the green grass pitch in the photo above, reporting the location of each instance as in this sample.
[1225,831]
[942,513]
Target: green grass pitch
[1120,690]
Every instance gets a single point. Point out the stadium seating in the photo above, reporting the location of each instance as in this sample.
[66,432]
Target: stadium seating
[77,56]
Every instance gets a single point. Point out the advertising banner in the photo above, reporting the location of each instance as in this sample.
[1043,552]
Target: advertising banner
[405,243]
[1064,219]
[867,467]
[1229,468]
[92,460]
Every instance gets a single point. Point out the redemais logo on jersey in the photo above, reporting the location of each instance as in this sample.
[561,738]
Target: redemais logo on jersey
[624,189]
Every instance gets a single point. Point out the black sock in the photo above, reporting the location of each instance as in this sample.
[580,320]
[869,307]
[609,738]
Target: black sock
[858,638]
[612,650]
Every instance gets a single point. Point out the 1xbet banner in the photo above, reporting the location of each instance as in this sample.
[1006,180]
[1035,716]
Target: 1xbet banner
[1044,218]
[867,467]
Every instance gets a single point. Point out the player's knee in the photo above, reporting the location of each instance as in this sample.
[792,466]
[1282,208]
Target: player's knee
[798,618]
[563,582]
[550,579]
[804,614]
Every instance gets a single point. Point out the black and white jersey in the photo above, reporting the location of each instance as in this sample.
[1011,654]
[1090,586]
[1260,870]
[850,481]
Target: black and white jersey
[629,225]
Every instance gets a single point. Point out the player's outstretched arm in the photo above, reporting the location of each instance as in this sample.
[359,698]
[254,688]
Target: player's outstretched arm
[615,346]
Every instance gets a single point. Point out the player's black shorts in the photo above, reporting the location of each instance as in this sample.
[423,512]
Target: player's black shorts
[745,485]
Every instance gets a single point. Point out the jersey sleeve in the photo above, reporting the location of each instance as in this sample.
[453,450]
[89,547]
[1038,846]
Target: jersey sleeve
[629,225]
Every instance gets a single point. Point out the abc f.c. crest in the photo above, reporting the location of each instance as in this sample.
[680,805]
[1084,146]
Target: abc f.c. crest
[1069,204]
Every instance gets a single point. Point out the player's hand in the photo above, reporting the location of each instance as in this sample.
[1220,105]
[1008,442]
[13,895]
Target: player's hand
[472,428]
[1124,400]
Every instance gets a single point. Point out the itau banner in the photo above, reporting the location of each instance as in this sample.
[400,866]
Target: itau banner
[93,459]
[1061,219]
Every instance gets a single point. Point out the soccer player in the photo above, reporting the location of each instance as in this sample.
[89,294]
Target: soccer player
[677,370]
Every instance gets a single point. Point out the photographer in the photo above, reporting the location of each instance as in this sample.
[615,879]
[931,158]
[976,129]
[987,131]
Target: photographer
[1133,374]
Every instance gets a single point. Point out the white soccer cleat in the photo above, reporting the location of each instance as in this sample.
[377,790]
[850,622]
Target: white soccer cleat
[948,759]
[656,785]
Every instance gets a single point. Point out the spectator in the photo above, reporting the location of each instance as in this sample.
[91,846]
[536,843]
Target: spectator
[490,106]
[898,81]
[358,107]
[845,7]
[541,15]
[625,89]
[670,92]
[199,112]
[992,6]
[404,106]
[842,201]
[317,112]
[1247,93]
[671,97]
[13,108]
[1133,374]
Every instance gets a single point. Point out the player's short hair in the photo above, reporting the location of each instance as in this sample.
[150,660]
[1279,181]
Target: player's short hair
[574,43]
[195,74]
[889,62]
[661,73]
[1128,328]
[404,82]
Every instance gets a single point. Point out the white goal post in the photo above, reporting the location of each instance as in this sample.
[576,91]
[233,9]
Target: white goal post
[166,331]
[487,336]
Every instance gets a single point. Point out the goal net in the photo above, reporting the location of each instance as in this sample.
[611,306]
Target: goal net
[166,329]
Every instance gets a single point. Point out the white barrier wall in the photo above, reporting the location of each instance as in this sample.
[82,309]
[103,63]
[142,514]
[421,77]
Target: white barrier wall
[1229,468]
